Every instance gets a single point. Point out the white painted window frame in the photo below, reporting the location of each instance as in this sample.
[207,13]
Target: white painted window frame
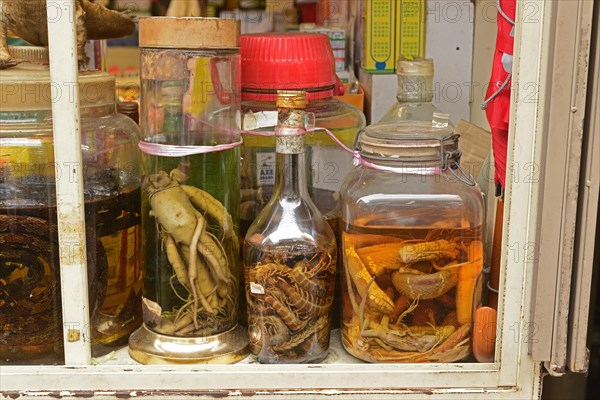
[513,376]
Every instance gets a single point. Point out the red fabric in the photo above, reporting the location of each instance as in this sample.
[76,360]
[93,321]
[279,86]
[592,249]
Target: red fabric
[498,109]
[505,42]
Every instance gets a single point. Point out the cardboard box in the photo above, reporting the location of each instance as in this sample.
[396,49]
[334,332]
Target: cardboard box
[251,21]
[391,28]
[410,28]
[337,37]
[475,144]
[355,99]
[380,93]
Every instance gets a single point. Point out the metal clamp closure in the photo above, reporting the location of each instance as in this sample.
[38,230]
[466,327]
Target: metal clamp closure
[451,162]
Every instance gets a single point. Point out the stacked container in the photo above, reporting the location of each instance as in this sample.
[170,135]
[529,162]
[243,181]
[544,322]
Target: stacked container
[293,61]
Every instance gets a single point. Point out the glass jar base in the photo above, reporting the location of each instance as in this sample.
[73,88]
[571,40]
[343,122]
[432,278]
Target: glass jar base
[148,347]
[306,360]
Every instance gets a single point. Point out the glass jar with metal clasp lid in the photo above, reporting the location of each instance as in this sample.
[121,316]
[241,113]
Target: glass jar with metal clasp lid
[293,61]
[411,246]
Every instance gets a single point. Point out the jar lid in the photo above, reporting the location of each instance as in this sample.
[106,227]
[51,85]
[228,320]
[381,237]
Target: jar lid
[291,60]
[189,32]
[26,87]
[408,142]
[33,54]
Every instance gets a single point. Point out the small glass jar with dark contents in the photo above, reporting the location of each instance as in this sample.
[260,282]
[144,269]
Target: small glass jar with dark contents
[30,302]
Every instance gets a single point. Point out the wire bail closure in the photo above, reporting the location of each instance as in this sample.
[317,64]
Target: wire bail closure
[451,162]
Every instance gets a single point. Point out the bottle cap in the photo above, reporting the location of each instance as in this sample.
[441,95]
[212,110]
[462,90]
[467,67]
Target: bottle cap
[291,99]
[291,60]
[27,87]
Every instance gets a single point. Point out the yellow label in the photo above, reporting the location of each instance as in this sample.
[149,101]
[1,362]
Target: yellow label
[124,266]
[379,38]
[21,157]
[201,84]
[392,28]
[410,28]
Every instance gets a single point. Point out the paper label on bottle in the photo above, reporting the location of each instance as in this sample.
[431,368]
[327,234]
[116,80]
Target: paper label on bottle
[265,168]
[256,288]
[258,120]
[151,312]
[293,144]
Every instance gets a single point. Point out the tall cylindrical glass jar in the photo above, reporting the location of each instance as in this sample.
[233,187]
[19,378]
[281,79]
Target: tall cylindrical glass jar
[30,302]
[412,247]
[190,116]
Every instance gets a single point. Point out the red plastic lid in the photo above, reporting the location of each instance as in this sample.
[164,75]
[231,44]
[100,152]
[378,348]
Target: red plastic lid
[293,60]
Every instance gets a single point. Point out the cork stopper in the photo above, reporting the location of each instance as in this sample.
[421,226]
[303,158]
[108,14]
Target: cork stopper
[189,33]
[295,99]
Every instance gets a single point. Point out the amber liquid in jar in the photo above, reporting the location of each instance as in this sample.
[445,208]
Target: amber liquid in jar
[409,293]
[30,303]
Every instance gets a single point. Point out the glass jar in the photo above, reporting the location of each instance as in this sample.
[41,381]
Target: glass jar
[412,247]
[290,255]
[293,61]
[414,94]
[190,113]
[30,310]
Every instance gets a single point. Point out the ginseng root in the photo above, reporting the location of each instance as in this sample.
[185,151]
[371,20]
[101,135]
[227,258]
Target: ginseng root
[198,257]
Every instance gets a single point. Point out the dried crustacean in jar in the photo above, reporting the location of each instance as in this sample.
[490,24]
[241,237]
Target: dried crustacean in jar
[289,300]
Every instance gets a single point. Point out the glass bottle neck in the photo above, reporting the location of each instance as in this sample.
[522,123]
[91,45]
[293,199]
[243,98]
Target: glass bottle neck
[417,101]
[290,171]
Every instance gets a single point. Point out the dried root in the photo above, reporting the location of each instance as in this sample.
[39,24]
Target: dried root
[199,259]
